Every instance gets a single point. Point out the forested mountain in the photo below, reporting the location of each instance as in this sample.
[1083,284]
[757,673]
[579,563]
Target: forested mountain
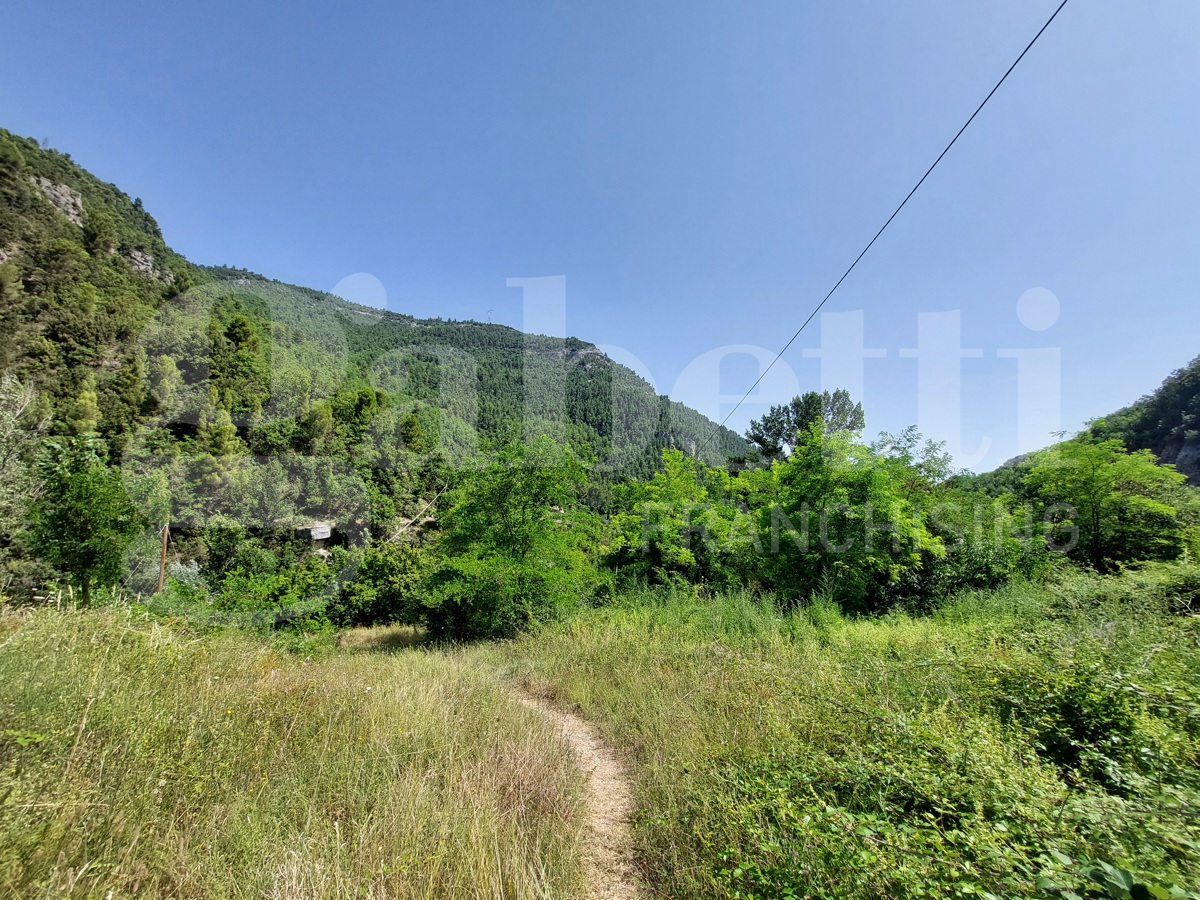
[125,339]
[1166,422]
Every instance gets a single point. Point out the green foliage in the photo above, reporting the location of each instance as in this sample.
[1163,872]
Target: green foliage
[1025,742]
[778,432]
[386,588]
[1166,422]
[100,232]
[74,299]
[838,510]
[681,524]
[11,160]
[84,414]
[1080,717]
[872,526]
[510,554]
[1120,503]
[508,506]
[83,519]
[187,374]
[476,596]
[17,438]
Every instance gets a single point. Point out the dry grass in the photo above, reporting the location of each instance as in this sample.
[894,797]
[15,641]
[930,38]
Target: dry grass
[145,761]
[382,639]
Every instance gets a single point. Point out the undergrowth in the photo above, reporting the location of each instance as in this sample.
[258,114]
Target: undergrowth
[1029,741]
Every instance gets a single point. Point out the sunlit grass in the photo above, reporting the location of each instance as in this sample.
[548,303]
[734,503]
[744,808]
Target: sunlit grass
[894,756]
[147,761]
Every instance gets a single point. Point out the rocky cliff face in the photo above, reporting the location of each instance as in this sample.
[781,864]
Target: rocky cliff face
[67,200]
[1185,458]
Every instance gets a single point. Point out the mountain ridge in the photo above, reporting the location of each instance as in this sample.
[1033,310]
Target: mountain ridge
[92,298]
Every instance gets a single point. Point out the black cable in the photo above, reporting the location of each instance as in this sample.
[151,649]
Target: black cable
[883,228]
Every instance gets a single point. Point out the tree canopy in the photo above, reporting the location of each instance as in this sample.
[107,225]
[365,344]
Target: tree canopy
[777,433]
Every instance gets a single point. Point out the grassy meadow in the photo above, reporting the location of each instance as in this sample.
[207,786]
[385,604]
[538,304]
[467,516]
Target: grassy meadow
[1011,743]
[1036,740]
[144,760]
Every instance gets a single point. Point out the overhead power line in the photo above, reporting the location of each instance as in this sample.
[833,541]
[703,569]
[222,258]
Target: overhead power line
[883,228]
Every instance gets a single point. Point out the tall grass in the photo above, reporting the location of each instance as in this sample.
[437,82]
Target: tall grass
[140,760]
[1013,743]
[1030,741]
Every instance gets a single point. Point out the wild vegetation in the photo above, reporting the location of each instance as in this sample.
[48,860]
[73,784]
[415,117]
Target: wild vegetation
[1165,422]
[145,760]
[1024,741]
[837,667]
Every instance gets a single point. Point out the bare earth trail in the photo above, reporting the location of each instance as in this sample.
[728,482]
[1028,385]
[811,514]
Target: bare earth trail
[612,873]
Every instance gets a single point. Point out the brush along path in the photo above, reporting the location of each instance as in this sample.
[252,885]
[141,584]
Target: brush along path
[612,874]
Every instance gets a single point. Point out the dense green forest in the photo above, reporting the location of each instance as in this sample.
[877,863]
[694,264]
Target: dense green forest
[845,668]
[221,396]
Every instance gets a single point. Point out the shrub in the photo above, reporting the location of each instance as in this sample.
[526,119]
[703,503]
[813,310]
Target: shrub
[385,589]
[482,597]
[1081,718]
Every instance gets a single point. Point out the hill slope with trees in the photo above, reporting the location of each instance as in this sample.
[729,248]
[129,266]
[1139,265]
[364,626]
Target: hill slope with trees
[111,327]
[1165,422]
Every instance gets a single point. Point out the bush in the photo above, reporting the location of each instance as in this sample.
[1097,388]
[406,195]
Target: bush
[1081,718]
[385,589]
[485,597]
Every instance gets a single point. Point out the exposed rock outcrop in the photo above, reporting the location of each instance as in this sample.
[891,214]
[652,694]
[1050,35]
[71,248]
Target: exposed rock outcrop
[1185,456]
[66,199]
[142,261]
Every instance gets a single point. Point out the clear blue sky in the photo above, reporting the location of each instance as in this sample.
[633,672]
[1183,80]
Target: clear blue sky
[701,173]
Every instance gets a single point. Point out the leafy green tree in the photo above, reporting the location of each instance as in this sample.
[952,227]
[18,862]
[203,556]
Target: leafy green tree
[1120,502]
[387,587]
[84,415]
[840,516]
[11,160]
[414,436]
[100,232]
[919,465]
[508,506]
[839,412]
[1165,422]
[82,520]
[10,284]
[165,380]
[218,435]
[681,523]
[267,493]
[777,433]
[511,554]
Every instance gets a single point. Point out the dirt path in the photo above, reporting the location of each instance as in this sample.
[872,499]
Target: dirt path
[612,873]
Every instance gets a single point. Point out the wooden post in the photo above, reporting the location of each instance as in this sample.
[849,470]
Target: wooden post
[162,566]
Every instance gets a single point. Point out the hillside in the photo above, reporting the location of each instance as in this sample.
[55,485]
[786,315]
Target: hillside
[125,338]
[1166,422]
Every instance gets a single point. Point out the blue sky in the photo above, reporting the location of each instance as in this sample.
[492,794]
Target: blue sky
[700,173]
